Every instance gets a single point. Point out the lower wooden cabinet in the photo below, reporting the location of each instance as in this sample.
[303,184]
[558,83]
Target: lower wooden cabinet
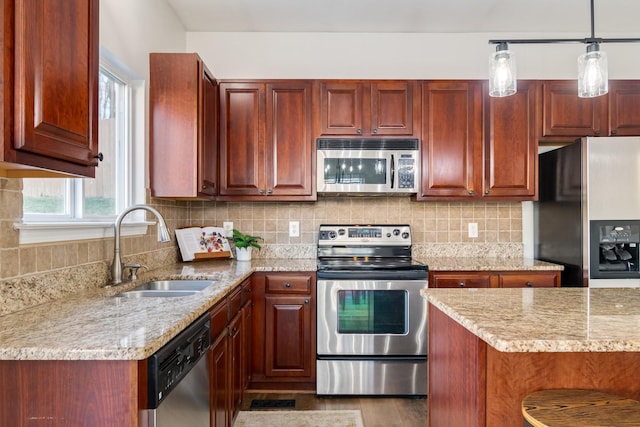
[494,279]
[283,344]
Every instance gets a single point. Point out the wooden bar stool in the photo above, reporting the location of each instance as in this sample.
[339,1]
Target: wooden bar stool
[576,408]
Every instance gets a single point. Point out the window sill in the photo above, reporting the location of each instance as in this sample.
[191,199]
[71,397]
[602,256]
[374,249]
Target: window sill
[47,232]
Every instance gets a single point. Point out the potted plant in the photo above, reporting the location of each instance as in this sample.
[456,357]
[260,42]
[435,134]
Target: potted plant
[244,244]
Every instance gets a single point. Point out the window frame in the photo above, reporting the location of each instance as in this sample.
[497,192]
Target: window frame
[42,228]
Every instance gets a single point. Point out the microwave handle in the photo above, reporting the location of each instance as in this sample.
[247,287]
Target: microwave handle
[393,171]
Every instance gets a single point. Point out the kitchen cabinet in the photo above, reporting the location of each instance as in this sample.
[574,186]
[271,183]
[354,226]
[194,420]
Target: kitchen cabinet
[284,331]
[494,279]
[266,141]
[369,108]
[183,116]
[451,139]
[49,103]
[478,147]
[567,117]
[511,143]
[219,371]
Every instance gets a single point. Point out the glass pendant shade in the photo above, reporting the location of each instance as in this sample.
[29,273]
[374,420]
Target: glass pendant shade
[502,72]
[593,74]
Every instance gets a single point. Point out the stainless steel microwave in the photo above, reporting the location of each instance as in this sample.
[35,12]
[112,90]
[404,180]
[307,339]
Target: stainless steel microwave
[367,165]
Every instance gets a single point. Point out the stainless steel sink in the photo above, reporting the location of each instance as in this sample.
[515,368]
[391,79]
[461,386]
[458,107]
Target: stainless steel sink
[167,288]
[156,294]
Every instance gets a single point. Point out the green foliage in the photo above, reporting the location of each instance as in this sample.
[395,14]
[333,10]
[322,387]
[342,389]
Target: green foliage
[245,240]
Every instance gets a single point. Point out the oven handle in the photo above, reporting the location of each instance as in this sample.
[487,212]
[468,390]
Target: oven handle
[373,275]
[393,170]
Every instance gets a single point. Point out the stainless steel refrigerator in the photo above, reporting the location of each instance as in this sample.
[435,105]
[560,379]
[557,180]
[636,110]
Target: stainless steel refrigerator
[587,217]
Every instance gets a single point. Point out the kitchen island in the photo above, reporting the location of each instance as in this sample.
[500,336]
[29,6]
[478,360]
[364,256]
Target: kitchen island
[489,348]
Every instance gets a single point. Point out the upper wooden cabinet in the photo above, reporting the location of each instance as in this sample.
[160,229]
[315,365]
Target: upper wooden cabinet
[567,117]
[369,108]
[464,157]
[511,143]
[183,149]
[451,139]
[266,142]
[49,87]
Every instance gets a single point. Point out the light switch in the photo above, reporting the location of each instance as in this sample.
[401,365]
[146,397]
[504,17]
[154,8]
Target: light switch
[228,228]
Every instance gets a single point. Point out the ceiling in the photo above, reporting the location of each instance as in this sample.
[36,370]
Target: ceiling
[409,16]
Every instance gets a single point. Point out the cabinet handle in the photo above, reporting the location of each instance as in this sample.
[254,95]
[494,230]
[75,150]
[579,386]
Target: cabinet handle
[471,192]
[269,191]
[261,191]
[530,284]
[614,132]
[487,192]
[99,156]
[204,187]
[287,285]
[461,284]
[306,301]
[375,131]
[359,131]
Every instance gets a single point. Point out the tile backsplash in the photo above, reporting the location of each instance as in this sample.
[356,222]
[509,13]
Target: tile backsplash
[32,274]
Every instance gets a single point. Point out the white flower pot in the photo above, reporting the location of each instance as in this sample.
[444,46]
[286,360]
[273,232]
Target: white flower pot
[243,254]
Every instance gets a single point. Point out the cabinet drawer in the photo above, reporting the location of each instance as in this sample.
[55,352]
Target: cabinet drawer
[460,281]
[524,280]
[246,292]
[235,301]
[218,318]
[289,284]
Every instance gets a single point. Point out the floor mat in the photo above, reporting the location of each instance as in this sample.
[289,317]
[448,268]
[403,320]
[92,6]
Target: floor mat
[351,418]
[273,404]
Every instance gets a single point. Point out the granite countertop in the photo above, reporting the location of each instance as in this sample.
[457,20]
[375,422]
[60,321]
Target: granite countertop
[546,319]
[487,264]
[96,325]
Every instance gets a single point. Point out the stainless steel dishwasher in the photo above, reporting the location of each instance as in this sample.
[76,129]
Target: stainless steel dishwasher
[178,380]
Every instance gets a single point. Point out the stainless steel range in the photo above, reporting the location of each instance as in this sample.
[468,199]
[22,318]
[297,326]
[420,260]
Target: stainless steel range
[371,319]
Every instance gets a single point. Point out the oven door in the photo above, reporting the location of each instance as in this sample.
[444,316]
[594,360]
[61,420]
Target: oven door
[371,318]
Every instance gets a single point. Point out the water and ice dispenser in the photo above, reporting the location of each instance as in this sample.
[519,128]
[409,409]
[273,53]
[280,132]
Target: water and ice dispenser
[615,247]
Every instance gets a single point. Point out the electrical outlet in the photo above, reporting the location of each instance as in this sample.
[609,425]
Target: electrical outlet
[473,229]
[228,228]
[294,228]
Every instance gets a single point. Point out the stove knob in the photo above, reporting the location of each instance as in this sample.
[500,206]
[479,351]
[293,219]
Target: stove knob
[396,232]
[332,234]
[405,235]
[341,232]
[388,235]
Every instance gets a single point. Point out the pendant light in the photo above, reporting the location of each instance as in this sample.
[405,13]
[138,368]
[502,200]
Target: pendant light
[593,74]
[502,72]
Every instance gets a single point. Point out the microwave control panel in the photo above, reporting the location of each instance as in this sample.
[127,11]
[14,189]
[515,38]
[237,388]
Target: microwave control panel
[406,172]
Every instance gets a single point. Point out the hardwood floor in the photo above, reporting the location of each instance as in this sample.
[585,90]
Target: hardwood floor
[376,411]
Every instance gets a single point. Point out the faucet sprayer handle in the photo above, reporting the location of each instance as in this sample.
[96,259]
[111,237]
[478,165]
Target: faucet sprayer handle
[134,270]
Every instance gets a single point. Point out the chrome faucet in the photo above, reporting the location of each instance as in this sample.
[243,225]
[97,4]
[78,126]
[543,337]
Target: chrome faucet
[117,266]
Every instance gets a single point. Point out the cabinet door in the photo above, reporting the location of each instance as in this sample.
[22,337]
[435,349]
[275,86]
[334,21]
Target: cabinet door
[393,108]
[530,280]
[208,147]
[219,381]
[288,336]
[459,280]
[624,108]
[451,139]
[341,108]
[511,144]
[235,365]
[55,122]
[566,116]
[289,141]
[247,330]
[242,139]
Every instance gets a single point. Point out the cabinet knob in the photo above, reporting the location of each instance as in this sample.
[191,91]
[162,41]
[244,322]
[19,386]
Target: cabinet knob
[614,132]
[461,284]
[270,191]
[99,156]
[471,192]
[375,131]
[287,285]
[204,187]
[598,132]
[359,131]
[530,284]
[261,191]
[306,301]
[487,192]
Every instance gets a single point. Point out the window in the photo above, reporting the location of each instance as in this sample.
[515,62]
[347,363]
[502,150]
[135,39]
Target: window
[68,208]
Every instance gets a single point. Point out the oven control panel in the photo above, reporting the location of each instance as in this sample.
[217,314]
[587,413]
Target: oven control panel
[335,234]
